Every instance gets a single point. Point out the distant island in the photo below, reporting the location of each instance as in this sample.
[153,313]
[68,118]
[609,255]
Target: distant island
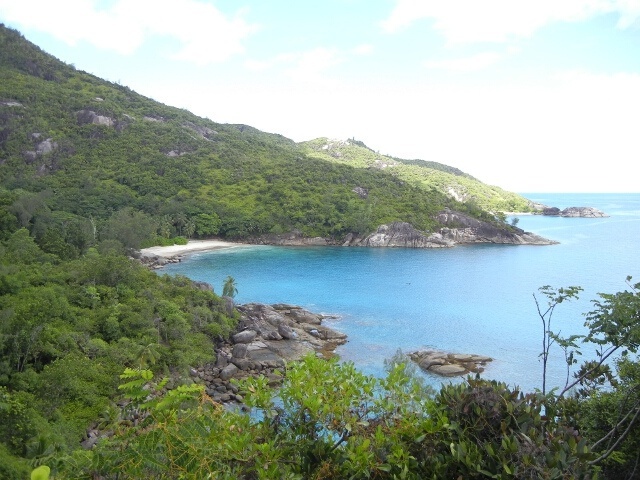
[584,212]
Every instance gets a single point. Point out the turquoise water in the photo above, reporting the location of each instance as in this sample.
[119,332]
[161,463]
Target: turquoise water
[472,299]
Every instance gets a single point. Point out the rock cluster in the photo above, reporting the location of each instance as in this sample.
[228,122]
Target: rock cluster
[269,336]
[449,364]
[42,147]
[294,238]
[458,229]
[85,117]
[156,261]
[585,212]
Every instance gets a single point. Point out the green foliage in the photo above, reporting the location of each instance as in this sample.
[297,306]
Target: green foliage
[158,172]
[603,404]
[330,421]
[229,289]
[68,328]
[427,175]
[41,473]
[554,298]
[12,467]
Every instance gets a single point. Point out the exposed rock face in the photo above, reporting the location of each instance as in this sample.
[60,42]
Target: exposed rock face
[85,117]
[269,336]
[203,132]
[462,229]
[362,192]
[586,212]
[294,238]
[449,364]
[401,234]
[155,261]
[46,146]
[459,229]
[42,148]
[11,103]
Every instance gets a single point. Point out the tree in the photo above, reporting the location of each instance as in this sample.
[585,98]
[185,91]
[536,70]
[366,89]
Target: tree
[189,228]
[229,288]
[328,420]
[130,227]
[606,406]
[554,298]
[207,224]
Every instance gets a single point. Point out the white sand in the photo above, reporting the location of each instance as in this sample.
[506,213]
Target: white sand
[190,247]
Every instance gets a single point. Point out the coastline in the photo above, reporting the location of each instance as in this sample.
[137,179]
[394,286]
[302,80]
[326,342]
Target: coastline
[192,246]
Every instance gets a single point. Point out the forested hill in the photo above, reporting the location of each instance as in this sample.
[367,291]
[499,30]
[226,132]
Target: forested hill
[88,168]
[427,174]
[85,160]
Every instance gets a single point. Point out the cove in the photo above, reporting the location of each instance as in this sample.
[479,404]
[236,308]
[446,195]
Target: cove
[472,299]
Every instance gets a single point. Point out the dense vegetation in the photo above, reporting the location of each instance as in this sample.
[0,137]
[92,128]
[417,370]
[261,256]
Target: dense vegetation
[89,170]
[330,421]
[69,328]
[82,158]
[425,174]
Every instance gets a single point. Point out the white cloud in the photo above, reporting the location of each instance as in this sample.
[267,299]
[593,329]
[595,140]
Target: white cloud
[364,49]
[204,34]
[263,65]
[311,66]
[462,21]
[476,62]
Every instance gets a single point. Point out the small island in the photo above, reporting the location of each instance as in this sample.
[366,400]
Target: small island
[574,212]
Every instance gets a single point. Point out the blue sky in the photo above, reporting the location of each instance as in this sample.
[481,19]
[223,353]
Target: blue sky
[532,96]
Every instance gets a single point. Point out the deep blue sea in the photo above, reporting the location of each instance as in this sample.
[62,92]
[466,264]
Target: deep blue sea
[470,299]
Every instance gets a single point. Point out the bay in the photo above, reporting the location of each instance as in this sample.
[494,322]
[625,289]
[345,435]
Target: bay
[467,299]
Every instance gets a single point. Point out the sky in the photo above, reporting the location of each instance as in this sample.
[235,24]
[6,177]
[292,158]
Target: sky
[531,96]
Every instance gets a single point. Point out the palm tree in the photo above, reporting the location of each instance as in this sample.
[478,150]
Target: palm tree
[229,288]
[148,355]
[189,228]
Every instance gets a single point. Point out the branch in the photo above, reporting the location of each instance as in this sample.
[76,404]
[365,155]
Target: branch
[622,437]
[584,375]
[615,428]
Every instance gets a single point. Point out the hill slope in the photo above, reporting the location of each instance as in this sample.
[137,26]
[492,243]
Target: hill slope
[85,160]
[448,180]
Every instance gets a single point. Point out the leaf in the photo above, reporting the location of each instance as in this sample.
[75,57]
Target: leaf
[41,473]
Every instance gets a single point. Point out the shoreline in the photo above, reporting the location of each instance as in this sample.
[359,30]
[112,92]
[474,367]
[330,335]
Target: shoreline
[192,246]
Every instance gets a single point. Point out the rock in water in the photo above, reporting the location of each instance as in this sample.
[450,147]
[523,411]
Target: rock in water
[449,364]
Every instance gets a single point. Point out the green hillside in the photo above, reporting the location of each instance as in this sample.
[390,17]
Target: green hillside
[90,170]
[427,175]
[84,159]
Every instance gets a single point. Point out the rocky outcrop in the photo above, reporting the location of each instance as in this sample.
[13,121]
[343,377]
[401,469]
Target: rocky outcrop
[268,337]
[42,148]
[402,234]
[85,117]
[203,133]
[449,364]
[583,212]
[11,103]
[457,229]
[463,229]
[294,238]
[156,261]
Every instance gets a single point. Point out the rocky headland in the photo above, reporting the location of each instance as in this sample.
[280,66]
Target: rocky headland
[573,212]
[457,229]
[449,364]
[268,337]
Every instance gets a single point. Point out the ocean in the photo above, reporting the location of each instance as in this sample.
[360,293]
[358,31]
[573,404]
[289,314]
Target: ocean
[468,299]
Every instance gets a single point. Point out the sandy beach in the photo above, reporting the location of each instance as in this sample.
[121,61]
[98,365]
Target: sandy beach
[192,246]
